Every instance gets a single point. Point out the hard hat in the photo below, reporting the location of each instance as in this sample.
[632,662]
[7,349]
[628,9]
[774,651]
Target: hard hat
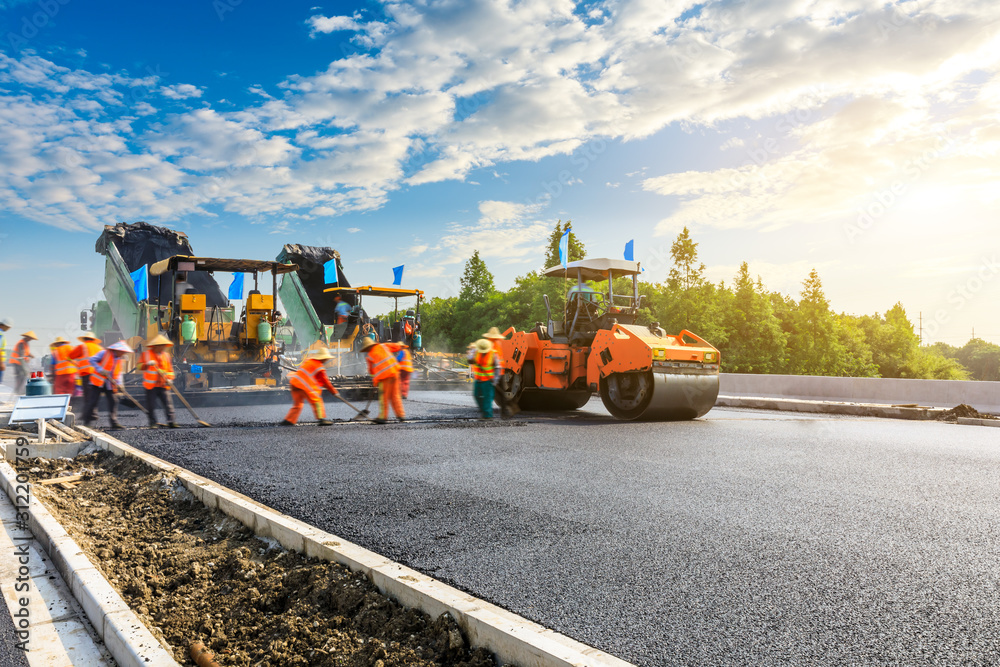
[5,323]
[159,339]
[87,335]
[58,341]
[483,345]
[321,354]
[367,342]
[29,334]
[493,333]
[120,346]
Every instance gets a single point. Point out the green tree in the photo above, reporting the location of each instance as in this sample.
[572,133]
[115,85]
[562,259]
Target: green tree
[688,300]
[815,348]
[982,359]
[576,248]
[687,273]
[477,281]
[756,342]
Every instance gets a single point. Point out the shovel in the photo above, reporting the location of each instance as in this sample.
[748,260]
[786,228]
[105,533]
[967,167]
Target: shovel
[201,422]
[361,413]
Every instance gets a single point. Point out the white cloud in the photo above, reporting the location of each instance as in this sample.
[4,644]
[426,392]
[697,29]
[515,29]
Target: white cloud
[328,24]
[353,230]
[180,91]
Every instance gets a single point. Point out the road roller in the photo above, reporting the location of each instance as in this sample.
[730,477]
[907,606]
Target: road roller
[595,346]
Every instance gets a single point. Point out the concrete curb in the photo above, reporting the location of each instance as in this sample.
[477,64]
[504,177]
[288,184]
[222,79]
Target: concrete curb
[125,635]
[829,407]
[511,638]
[973,421]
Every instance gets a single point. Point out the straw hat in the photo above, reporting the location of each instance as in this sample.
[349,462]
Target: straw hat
[322,354]
[30,334]
[58,341]
[367,342]
[483,345]
[159,339]
[493,333]
[120,346]
[87,335]
[5,323]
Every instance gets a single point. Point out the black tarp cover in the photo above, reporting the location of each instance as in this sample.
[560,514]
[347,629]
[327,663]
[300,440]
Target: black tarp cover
[311,260]
[142,244]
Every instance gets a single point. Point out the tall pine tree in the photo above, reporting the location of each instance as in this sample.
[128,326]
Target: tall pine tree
[576,249]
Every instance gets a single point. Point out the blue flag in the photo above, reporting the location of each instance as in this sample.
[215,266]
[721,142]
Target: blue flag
[629,250]
[330,272]
[564,248]
[140,280]
[236,287]
[397,274]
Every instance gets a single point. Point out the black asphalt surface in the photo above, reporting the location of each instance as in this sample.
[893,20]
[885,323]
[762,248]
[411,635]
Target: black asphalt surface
[743,538]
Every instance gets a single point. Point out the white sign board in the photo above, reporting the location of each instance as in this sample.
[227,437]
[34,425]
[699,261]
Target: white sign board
[33,408]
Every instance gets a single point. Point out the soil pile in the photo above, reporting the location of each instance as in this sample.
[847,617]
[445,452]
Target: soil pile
[194,574]
[962,410]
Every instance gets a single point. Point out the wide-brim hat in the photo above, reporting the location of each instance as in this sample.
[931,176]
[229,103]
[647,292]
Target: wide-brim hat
[120,346]
[494,333]
[87,335]
[5,323]
[483,345]
[29,334]
[322,354]
[58,341]
[159,339]
[367,342]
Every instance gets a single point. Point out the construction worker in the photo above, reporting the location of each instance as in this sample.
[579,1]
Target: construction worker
[157,376]
[63,367]
[506,409]
[81,354]
[4,328]
[308,383]
[106,379]
[402,354]
[20,358]
[486,370]
[384,369]
[341,309]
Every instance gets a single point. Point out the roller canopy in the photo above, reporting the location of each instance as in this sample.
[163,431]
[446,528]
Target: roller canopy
[186,263]
[594,269]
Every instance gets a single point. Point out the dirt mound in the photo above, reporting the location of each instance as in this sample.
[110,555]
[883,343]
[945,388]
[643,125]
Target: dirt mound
[962,410]
[196,574]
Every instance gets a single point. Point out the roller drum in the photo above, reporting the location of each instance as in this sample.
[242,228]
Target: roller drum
[652,396]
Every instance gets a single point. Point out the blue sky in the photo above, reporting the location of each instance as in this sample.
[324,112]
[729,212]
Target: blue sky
[860,138]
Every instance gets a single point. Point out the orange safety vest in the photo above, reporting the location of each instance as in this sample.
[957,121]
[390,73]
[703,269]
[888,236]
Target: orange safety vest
[20,352]
[61,363]
[158,370]
[483,366]
[381,363]
[82,353]
[307,378]
[402,354]
[105,369]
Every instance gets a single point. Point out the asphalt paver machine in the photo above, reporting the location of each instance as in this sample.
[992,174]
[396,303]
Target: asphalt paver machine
[595,346]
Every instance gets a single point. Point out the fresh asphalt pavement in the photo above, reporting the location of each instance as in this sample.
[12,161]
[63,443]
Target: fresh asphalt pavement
[742,538]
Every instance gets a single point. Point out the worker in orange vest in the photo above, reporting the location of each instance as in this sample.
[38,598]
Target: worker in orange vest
[384,369]
[402,354]
[81,354]
[308,383]
[507,409]
[4,328]
[486,370]
[20,358]
[63,368]
[157,376]
[107,367]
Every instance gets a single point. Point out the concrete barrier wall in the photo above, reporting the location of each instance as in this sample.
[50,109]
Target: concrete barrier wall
[984,396]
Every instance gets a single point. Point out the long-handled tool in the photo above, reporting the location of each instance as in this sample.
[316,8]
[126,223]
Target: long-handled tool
[129,397]
[361,413]
[201,422]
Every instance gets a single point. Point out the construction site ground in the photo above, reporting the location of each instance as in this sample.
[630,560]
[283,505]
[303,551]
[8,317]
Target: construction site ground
[746,537]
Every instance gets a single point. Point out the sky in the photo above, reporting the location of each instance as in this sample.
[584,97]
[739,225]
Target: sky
[858,138]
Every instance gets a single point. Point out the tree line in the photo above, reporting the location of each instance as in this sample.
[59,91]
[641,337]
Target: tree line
[756,330]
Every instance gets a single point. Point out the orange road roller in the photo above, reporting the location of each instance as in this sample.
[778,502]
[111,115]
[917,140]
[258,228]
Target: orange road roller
[641,372]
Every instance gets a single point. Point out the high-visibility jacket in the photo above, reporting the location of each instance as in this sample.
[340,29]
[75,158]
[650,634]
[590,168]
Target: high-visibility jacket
[402,354]
[20,352]
[382,363]
[107,371]
[82,354]
[3,348]
[61,362]
[311,378]
[157,369]
[485,366]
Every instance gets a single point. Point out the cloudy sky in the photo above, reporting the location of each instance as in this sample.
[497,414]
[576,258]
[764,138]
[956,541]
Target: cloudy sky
[860,138]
